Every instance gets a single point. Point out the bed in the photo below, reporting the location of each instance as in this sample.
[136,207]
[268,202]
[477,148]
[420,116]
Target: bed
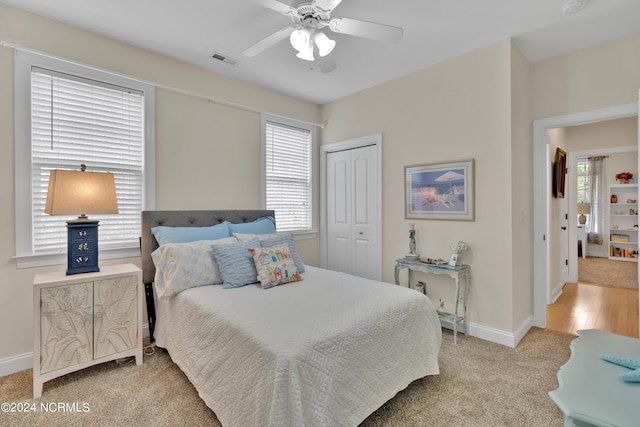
[327,350]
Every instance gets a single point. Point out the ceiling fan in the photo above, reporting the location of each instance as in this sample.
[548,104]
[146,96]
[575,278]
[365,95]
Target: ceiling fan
[307,36]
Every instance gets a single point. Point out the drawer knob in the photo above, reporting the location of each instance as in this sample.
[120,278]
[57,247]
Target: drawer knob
[82,233]
[83,247]
[82,260]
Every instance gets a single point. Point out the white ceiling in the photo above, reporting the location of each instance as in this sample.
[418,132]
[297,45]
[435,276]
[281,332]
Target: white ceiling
[434,30]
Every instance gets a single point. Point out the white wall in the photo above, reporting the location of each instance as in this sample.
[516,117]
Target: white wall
[599,137]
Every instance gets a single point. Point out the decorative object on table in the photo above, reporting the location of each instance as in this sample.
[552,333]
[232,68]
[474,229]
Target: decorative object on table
[433,261]
[624,177]
[614,198]
[634,364]
[81,193]
[440,191]
[412,255]
[559,173]
[583,210]
[457,248]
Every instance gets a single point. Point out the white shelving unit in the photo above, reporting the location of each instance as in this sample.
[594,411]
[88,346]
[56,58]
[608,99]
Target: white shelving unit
[623,222]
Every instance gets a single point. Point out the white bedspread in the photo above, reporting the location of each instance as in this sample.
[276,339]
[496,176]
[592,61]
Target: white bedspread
[326,351]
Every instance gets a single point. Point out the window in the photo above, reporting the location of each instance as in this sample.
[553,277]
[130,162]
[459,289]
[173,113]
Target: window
[288,173]
[68,115]
[583,181]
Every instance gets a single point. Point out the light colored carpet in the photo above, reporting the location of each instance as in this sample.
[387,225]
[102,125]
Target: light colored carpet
[480,384]
[608,272]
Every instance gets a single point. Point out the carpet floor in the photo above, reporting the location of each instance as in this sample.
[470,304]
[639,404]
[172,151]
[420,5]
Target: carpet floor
[608,272]
[480,384]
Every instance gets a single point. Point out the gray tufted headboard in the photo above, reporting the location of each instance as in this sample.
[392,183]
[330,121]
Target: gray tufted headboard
[197,218]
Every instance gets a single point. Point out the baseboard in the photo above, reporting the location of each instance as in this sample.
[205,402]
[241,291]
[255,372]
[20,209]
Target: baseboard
[598,254]
[509,339]
[556,292]
[22,362]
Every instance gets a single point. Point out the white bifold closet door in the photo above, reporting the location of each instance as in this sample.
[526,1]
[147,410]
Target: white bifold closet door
[352,216]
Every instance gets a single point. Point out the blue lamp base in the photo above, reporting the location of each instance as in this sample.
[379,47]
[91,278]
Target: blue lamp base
[82,246]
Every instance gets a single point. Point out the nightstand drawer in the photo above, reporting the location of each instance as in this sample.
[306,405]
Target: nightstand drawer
[83,234]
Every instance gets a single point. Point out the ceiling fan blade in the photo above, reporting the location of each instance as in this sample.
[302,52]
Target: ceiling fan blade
[325,6]
[267,42]
[370,30]
[326,63]
[279,7]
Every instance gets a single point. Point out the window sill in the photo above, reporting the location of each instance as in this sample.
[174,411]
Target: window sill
[60,258]
[305,235]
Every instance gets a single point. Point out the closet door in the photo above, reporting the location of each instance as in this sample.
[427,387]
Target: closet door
[352,217]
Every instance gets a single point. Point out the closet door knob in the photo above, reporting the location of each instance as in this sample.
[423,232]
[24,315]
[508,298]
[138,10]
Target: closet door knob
[563,228]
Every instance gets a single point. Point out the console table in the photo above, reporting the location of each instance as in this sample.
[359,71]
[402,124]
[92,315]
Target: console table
[590,391]
[461,274]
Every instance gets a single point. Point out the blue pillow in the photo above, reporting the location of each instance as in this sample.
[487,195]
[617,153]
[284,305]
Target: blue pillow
[266,240]
[264,225]
[166,235]
[236,264]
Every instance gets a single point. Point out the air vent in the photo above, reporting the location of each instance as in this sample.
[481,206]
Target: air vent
[224,58]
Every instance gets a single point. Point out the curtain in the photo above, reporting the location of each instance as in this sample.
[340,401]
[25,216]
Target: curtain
[595,223]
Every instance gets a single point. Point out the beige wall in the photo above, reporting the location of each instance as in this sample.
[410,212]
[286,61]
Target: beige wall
[601,76]
[199,145]
[522,189]
[456,110]
[473,106]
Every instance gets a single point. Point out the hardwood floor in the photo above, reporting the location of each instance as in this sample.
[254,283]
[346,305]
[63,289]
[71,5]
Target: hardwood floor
[583,306]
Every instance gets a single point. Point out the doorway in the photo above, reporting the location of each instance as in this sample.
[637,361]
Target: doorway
[543,235]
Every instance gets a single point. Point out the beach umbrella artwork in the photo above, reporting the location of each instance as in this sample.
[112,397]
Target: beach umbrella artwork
[450,176]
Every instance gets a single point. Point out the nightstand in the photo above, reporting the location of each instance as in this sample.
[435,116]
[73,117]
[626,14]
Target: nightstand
[85,319]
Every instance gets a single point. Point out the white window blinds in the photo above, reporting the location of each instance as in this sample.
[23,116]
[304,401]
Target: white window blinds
[288,176]
[77,121]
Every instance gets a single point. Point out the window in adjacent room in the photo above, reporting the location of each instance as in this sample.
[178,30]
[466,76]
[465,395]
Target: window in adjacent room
[68,115]
[288,173]
[583,181]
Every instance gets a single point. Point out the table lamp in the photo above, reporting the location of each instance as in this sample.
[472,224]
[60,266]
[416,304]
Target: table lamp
[583,208]
[81,193]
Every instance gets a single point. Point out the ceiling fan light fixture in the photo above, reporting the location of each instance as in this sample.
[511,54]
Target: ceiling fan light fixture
[306,53]
[300,39]
[324,43]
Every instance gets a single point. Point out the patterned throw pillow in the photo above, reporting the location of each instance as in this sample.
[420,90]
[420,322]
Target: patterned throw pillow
[275,265]
[180,266]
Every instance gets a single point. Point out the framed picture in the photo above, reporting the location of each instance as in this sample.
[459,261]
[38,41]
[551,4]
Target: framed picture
[559,173]
[454,260]
[440,191]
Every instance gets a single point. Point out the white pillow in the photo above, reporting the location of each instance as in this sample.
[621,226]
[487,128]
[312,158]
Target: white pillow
[180,266]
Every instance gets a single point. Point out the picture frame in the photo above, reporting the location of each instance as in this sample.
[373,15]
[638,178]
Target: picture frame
[453,262]
[440,191]
[559,173]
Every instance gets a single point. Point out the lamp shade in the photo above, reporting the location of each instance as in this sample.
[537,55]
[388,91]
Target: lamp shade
[584,208]
[300,39]
[324,43]
[81,193]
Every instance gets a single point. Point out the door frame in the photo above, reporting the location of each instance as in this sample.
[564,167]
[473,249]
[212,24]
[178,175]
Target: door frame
[542,197]
[350,144]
